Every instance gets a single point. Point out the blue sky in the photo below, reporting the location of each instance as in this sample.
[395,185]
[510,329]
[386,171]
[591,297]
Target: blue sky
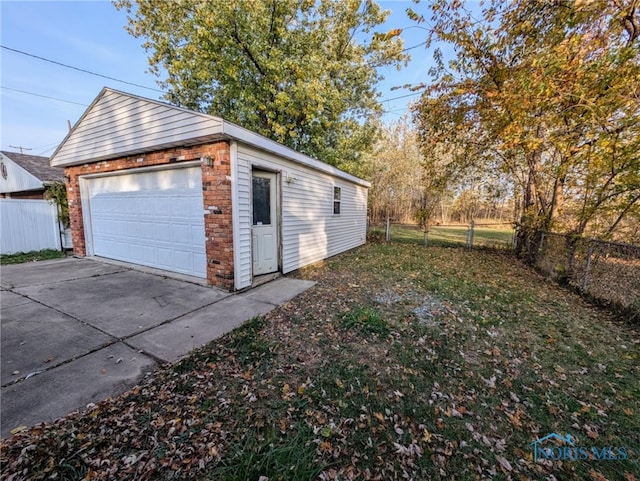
[90,35]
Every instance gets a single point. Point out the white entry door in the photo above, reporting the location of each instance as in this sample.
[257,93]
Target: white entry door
[264,231]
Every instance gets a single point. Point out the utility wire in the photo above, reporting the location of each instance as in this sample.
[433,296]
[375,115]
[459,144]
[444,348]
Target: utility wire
[43,96]
[46,151]
[131,83]
[134,84]
[401,97]
[80,69]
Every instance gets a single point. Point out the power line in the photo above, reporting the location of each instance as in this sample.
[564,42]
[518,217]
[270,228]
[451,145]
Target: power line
[49,148]
[43,96]
[80,69]
[134,84]
[22,149]
[401,97]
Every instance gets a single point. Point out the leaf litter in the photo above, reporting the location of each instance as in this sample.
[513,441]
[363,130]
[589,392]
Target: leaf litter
[458,384]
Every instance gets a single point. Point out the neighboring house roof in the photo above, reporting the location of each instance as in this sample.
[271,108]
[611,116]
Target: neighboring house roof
[119,124]
[22,172]
[37,166]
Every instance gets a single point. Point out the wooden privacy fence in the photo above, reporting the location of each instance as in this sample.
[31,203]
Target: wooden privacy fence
[28,225]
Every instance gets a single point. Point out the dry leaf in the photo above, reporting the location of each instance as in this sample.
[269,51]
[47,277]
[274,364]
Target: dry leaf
[504,464]
[596,476]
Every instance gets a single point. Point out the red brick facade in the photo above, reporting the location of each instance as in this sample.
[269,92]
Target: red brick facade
[216,193]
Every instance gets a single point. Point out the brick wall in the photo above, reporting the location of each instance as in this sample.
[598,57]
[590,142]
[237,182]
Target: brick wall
[216,185]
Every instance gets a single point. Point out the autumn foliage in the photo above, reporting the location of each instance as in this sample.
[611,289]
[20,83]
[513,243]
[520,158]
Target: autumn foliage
[548,93]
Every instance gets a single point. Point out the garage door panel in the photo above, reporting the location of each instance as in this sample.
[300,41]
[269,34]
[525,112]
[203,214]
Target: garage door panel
[162,230]
[147,230]
[164,257]
[153,218]
[182,256]
[182,235]
[146,207]
[182,206]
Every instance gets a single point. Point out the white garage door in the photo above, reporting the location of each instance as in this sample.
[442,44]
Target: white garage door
[154,218]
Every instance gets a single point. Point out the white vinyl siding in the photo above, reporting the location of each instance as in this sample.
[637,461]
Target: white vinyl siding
[120,124]
[242,219]
[18,179]
[310,231]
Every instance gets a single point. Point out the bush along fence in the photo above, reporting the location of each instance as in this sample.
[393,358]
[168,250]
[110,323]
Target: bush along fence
[605,272]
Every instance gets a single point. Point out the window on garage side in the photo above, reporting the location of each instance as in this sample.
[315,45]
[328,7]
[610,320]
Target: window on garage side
[337,193]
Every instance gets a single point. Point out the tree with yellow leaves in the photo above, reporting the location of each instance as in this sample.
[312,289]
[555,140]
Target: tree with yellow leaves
[548,92]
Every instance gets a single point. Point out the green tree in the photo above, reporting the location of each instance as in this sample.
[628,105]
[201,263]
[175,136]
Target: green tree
[301,72]
[549,93]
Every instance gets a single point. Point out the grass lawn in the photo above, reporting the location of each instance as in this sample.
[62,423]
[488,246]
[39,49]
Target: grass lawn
[403,362]
[32,256]
[499,236]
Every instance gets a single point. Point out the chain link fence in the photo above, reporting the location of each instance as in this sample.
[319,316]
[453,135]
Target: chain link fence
[497,235]
[607,272]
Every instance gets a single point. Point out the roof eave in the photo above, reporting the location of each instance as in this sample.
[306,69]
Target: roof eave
[235,132]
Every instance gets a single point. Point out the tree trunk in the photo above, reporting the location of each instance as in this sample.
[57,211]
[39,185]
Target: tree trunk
[534,218]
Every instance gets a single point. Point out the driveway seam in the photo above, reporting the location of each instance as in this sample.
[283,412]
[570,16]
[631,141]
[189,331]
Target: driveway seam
[85,343]
[79,356]
[169,321]
[11,287]
[63,313]
[115,339]
[62,363]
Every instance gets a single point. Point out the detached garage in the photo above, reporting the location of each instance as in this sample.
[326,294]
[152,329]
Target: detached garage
[161,186]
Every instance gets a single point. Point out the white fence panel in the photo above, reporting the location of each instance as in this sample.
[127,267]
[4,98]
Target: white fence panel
[28,225]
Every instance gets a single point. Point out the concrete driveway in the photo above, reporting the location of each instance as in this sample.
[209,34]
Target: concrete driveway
[76,331]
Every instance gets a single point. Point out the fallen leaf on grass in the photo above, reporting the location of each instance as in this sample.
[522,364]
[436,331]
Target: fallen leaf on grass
[491,382]
[515,418]
[596,476]
[504,464]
